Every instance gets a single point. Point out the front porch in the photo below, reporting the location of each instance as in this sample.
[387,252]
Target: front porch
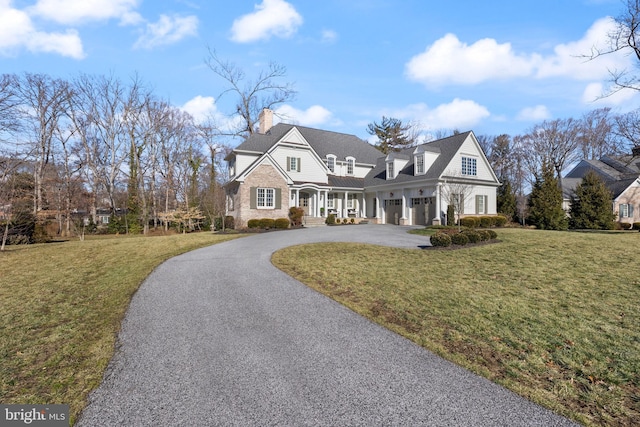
[320,203]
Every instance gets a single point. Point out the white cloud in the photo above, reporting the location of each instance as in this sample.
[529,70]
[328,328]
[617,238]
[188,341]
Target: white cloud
[450,61]
[532,114]
[569,60]
[168,30]
[83,11]
[201,108]
[594,94]
[312,116]
[271,18]
[458,114]
[329,36]
[17,31]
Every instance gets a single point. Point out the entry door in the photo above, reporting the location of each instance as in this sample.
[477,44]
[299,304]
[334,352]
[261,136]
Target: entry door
[304,202]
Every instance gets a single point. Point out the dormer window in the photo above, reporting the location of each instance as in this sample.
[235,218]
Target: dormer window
[420,164]
[331,163]
[390,170]
[351,162]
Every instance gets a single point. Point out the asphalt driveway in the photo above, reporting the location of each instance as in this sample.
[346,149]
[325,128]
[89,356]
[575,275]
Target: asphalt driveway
[219,336]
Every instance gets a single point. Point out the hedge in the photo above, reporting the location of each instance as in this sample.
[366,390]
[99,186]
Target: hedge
[282,223]
[440,239]
[459,239]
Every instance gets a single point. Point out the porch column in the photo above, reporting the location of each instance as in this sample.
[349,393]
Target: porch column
[297,199]
[380,214]
[438,218]
[345,209]
[316,204]
[364,205]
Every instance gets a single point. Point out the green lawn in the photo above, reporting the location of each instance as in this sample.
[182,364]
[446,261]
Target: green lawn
[61,305]
[554,316]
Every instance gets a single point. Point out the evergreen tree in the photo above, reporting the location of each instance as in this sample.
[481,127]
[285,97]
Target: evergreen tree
[545,202]
[392,134]
[506,200]
[591,205]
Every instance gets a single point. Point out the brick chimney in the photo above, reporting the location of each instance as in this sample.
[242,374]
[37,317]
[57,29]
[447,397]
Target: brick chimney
[266,120]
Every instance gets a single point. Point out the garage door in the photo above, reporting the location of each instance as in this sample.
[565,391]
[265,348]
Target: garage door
[422,210]
[393,209]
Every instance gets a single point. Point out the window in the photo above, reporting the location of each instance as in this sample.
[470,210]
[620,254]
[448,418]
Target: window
[469,166]
[330,204]
[390,174]
[626,210]
[420,164]
[266,198]
[481,204]
[350,165]
[293,164]
[350,201]
[331,163]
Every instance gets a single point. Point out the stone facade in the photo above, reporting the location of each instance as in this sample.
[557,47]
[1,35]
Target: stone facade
[264,175]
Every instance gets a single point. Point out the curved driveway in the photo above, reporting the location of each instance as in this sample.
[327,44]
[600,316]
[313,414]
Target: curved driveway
[219,336]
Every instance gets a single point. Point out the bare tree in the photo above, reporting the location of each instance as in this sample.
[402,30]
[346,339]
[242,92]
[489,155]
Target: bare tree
[456,192]
[597,138]
[553,142]
[9,103]
[251,96]
[98,111]
[43,101]
[624,38]
[627,128]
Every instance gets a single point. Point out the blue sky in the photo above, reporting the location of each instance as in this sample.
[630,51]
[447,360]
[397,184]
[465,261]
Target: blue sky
[493,67]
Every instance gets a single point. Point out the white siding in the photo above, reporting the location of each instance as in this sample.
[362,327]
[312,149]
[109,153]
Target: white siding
[310,169]
[243,161]
[469,149]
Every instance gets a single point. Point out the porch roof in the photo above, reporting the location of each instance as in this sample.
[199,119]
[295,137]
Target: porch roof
[346,182]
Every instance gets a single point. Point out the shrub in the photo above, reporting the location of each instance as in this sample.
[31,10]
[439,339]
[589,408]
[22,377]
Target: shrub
[229,222]
[459,239]
[295,215]
[487,221]
[484,235]
[636,225]
[352,220]
[492,234]
[451,216]
[331,219]
[253,223]
[472,235]
[440,239]
[282,223]
[501,220]
[267,223]
[469,221]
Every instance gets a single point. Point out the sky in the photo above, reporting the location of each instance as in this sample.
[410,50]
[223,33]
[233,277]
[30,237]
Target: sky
[493,67]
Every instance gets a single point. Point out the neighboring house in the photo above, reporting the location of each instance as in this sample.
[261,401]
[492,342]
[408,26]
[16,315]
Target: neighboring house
[325,172]
[621,175]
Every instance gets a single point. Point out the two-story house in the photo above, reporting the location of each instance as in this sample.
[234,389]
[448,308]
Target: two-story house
[325,172]
[621,175]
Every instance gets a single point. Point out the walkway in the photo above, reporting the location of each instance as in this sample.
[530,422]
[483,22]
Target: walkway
[219,336]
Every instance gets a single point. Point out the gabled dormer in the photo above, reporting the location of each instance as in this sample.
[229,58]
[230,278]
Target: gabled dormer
[331,163]
[423,159]
[395,162]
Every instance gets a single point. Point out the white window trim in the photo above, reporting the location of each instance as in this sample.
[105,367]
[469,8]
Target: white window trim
[351,162]
[420,157]
[265,198]
[330,201]
[469,166]
[333,159]
[350,200]
[391,173]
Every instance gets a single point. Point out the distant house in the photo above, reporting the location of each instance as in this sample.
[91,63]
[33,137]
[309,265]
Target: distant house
[621,174]
[326,172]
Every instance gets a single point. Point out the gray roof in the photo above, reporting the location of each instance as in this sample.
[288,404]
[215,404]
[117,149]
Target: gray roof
[447,147]
[345,182]
[323,142]
[618,173]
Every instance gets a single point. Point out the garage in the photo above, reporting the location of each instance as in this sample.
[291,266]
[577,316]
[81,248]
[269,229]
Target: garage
[423,210]
[393,210]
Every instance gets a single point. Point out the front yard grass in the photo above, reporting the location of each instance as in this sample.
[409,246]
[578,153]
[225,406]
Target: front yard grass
[61,305]
[553,316]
